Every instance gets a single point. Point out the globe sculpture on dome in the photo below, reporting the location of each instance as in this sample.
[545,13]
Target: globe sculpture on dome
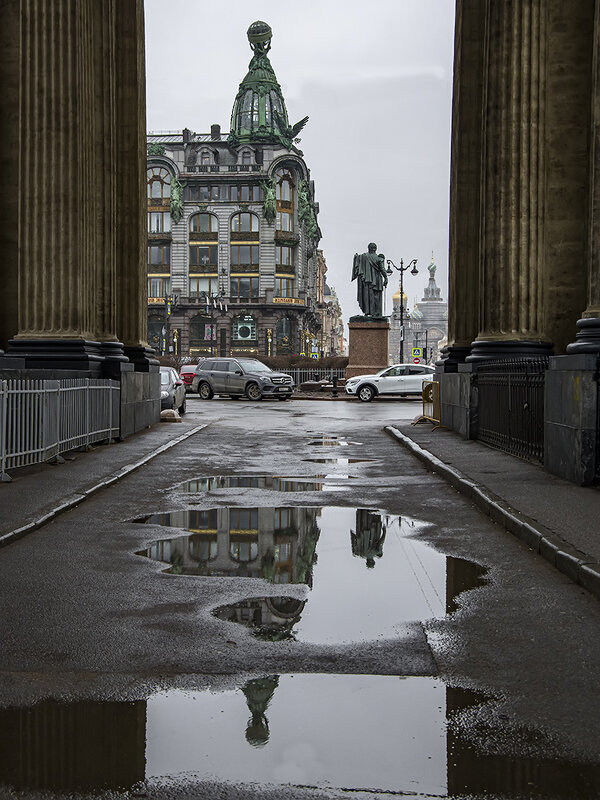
[259,35]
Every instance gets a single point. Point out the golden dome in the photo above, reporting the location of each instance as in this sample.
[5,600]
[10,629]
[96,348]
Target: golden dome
[397,296]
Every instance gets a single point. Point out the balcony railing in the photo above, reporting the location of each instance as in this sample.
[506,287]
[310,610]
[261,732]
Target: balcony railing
[203,168]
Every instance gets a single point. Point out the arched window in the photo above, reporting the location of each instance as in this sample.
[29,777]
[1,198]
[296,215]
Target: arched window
[244,223]
[283,335]
[243,534]
[243,328]
[155,326]
[284,197]
[205,157]
[202,547]
[246,157]
[159,183]
[246,111]
[204,223]
[203,331]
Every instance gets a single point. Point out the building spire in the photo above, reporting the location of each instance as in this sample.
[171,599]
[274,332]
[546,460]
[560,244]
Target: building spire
[259,113]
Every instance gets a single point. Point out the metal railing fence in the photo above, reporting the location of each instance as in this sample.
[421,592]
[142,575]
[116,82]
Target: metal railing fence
[511,406]
[301,374]
[39,419]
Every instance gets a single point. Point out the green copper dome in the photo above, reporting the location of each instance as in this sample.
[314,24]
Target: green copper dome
[259,113]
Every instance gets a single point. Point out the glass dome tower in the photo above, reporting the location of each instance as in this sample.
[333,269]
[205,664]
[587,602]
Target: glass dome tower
[259,113]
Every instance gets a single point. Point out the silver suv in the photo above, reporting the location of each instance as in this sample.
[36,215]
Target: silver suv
[240,376]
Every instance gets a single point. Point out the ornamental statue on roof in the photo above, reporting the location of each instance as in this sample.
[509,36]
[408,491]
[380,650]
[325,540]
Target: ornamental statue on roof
[259,113]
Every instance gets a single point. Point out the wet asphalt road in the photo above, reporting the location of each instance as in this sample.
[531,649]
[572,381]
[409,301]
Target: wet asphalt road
[85,619]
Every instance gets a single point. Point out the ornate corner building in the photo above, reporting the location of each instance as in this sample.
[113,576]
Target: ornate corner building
[232,230]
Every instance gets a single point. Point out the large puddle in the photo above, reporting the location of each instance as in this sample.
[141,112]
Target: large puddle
[355,732]
[366,571]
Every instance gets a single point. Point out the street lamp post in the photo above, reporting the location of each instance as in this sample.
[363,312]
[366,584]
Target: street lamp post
[402,269]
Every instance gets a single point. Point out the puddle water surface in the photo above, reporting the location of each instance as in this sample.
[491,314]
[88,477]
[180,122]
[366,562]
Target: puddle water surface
[366,571]
[276,483]
[355,732]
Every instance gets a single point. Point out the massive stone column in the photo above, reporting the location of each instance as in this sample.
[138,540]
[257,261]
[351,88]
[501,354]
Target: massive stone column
[73,209]
[130,159]
[56,298]
[588,336]
[511,293]
[9,168]
[465,181]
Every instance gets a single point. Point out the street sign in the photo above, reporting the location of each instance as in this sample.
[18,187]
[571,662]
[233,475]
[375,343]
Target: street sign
[417,352]
[416,360]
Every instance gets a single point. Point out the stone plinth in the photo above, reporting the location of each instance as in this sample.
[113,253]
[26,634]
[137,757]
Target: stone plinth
[368,347]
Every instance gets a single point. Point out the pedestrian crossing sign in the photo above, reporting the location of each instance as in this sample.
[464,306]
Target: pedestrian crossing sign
[417,352]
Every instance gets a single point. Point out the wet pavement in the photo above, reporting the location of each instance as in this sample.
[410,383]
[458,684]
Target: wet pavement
[235,619]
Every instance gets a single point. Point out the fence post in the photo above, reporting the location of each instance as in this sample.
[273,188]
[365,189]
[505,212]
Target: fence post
[4,476]
[88,414]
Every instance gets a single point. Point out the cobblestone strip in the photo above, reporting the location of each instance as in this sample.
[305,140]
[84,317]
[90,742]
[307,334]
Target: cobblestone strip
[75,500]
[573,563]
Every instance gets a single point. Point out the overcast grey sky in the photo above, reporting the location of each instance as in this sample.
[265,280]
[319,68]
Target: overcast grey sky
[376,81]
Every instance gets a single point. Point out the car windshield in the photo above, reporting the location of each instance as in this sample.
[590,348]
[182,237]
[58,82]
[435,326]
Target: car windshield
[252,365]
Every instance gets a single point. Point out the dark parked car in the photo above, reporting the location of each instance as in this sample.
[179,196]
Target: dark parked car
[237,377]
[172,390]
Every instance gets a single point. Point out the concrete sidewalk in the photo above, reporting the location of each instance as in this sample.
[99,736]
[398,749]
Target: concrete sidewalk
[557,519]
[39,493]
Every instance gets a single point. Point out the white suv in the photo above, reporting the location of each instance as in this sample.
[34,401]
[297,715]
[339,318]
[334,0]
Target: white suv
[401,379]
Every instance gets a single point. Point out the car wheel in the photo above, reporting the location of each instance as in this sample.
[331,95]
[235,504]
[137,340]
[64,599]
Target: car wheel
[366,394]
[253,392]
[182,407]
[204,391]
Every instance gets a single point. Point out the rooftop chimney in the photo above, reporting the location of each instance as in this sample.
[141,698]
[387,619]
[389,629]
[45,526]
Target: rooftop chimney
[187,134]
[215,132]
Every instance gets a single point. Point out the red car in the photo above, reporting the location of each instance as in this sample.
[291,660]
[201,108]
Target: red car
[186,373]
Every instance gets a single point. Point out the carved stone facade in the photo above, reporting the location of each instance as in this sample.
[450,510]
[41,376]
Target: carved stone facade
[232,232]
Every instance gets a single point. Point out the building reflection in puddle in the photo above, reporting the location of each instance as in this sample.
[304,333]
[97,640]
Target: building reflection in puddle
[339,461]
[384,733]
[276,483]
[349,601]
[277,544]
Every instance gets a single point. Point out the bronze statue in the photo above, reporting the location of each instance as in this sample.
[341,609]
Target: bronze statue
[369,271]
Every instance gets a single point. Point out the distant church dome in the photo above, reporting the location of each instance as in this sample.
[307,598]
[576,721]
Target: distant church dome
[416,314]
[398,295]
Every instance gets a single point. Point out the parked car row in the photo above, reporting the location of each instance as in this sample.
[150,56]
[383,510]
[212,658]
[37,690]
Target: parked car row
[249,377]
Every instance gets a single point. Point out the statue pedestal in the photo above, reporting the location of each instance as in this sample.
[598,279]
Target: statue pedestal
[368,347]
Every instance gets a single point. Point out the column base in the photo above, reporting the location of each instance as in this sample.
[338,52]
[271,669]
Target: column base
[60,354]
[452,356]
[143,357]
[114,359]
[515,349]
[588,337]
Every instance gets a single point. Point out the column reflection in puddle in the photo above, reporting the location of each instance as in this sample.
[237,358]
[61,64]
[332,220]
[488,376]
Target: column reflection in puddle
[380,733]
[354,731]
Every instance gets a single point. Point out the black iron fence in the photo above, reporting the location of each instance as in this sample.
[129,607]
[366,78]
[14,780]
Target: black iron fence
[511,406]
